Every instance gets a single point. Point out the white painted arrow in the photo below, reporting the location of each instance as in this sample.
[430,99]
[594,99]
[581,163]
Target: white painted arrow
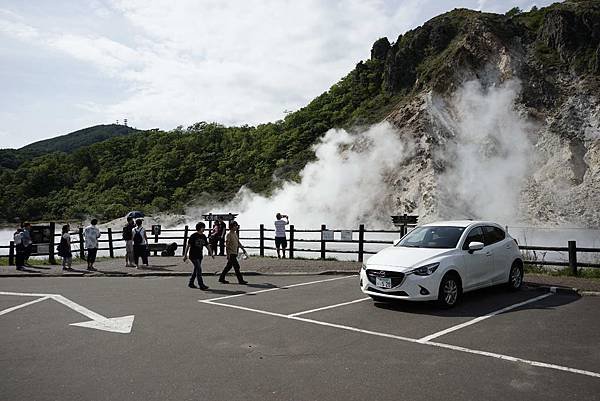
[116,324]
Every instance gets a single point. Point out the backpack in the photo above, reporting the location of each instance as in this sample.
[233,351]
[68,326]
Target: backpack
[18,238]
[137,237]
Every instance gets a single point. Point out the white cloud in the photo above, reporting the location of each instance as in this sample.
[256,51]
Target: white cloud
[234,62]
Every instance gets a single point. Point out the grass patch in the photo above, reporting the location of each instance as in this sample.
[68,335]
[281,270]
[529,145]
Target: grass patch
[585,272]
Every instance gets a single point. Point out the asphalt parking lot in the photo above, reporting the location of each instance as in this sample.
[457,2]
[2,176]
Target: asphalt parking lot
[289,338]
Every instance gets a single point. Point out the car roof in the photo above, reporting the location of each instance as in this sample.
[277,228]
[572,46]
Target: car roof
[459,223]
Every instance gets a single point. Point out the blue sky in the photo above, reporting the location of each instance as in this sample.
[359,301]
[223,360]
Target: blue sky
[67,65]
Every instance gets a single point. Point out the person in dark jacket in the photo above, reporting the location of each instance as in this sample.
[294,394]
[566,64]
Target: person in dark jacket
[64,248]
[195,248]
[128,238]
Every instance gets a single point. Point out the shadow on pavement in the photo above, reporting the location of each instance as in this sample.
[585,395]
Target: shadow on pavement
[481,302]
[40,267]
[224,292]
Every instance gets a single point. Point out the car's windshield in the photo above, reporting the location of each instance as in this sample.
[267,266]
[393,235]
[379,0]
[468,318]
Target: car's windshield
[432,237]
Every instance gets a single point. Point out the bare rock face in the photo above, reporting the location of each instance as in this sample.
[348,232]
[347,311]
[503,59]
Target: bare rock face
[505,135]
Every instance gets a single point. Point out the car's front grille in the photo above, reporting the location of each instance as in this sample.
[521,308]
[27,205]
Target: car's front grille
[396,277]
[396,293]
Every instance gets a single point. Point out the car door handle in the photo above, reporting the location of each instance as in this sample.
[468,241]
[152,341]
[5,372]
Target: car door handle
[488,254]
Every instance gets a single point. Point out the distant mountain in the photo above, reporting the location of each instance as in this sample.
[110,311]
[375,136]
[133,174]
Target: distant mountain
[12,158]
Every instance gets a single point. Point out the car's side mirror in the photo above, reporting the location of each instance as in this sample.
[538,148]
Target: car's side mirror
[475,246]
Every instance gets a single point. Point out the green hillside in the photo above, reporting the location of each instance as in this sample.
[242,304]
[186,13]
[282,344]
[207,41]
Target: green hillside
[12,158]
[165,171]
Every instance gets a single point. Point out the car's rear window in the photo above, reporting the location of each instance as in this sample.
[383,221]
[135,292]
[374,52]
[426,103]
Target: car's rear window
[432,237]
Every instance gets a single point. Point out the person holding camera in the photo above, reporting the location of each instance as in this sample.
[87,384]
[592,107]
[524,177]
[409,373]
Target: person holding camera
[280,239]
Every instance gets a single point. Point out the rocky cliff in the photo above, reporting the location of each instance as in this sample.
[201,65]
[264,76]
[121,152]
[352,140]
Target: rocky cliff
[502,113]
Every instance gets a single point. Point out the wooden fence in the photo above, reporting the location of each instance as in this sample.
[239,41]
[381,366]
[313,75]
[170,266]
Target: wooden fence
[111,243]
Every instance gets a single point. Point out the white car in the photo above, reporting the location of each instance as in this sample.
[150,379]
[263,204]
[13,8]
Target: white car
[440,261]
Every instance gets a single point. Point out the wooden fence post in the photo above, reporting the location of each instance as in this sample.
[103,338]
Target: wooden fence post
[185,239]
[51,249]
[573,257]
[323,249]
[361,243]
[11,254]
[262,240]
[111,250]
[81,245]
[292,241]
[156,241]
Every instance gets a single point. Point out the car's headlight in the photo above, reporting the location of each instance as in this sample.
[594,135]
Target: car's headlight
[425,270]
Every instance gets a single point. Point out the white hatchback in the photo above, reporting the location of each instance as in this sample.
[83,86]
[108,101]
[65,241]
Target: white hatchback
[440,261]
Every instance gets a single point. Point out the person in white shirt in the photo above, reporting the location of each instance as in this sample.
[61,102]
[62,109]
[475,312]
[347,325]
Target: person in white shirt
[91,234]
[140,244]
[280,239]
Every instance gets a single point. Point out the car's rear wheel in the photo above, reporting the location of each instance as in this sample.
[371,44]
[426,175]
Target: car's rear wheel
[515,278]
[450,291]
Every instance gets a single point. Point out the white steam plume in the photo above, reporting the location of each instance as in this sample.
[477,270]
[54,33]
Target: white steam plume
[343,187]
[487,155]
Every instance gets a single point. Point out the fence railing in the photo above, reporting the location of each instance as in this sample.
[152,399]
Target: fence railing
[296,244]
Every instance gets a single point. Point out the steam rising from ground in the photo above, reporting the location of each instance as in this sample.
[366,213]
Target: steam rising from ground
[343,187]
[487,154]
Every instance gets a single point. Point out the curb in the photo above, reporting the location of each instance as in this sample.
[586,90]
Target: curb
[176,274]
[562,290]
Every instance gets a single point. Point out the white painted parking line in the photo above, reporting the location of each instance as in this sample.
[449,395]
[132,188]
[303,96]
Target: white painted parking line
[14,308]
[275,289]
[514,359]
[328,307]
[414,340]
[480,318]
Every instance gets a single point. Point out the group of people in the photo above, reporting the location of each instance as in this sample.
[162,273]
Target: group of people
[136,246]
[195,251]
[23,245]
[136,243]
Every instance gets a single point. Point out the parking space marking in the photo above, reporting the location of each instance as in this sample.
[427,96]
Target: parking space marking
[328,307]
[14,308]
[415,340]
[276,288]
[514,359]
[481,318]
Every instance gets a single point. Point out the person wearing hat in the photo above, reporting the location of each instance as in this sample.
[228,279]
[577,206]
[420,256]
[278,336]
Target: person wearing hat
[140,244]
[232,246]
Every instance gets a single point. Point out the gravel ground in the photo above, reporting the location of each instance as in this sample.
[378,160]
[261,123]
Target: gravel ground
[175,265]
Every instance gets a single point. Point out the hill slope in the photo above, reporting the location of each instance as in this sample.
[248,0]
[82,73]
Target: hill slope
[12,158]
[541,69]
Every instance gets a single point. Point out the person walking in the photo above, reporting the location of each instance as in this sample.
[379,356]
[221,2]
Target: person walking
[27,243]
[20,250]
[64,248]
[91,234]
[128,238]
[232,245]
[280,239]
[140,244]
[195,245]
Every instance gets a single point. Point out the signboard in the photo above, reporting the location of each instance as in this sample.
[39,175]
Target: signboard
[346,235]
[327,235]
[156,229]
[42,248]
[404,220]
[215,216]
[41,234]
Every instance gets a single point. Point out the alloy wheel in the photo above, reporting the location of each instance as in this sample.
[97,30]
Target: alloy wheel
[450,292]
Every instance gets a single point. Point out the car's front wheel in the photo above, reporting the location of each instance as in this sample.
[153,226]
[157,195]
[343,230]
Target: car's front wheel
[515,279]
[450,291]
